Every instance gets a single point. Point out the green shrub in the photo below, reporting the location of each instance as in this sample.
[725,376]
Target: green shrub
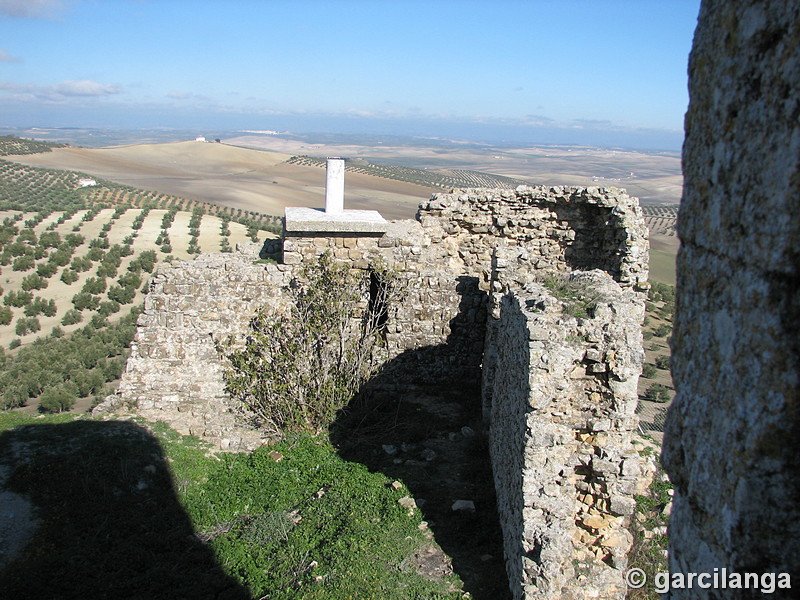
[83,301]
[94,285]
[69,276]
[662,330]
[57,399]
[297,369]
[5,315]
[46,269]
[33,282]
[71,317]
[122,295]
[108,307]
[23,263]
[658,393]
[17,299]
[95,253]
[649,371]
[60,257]
[81,264]
[663,362]
[25,325]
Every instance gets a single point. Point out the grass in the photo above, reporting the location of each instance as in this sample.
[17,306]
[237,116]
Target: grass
[648,551]
[131,510]
[577,298]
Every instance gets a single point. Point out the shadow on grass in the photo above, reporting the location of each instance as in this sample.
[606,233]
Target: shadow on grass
[110,523]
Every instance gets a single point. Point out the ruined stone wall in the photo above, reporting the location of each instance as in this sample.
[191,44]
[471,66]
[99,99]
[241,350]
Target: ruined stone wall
[563,384]
[174,372]
[437,333]
[559,391]
[731,439]
[562,228]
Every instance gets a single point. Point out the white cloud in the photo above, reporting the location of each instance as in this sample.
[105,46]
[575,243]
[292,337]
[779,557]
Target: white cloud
[61,91]
[6,57]
[32,9]
[85,87]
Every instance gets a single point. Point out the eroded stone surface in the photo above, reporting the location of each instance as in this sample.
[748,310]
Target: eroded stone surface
[731,439]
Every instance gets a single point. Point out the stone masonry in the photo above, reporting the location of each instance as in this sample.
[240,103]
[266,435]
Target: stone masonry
[478,268]
[731,441]
[564,401]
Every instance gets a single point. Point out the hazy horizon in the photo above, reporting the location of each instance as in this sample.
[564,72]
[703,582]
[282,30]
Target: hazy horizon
[610,74]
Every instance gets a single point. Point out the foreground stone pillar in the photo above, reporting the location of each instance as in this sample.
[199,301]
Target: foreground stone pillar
[732,437]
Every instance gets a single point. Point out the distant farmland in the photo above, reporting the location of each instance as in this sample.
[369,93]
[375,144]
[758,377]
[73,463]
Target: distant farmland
[75,258]
[77,250]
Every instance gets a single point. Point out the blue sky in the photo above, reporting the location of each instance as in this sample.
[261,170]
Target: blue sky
[542,71]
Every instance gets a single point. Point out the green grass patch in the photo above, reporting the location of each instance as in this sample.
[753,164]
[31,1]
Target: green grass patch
[578,298]
[129,511]
[662,266]
[648,551]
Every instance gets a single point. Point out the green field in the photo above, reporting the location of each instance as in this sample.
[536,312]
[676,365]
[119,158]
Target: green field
[662,266]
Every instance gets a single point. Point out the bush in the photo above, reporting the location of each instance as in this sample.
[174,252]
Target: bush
[108,307]
[662,330]
[658,393]
[69,276]
[83,300]
[26,325]
[5,315]
[95,253]
[130,280]
[23,263]
[60,257]
[147,260]
[18,299]
[297,369]
[81,264]
[649,371]
[57,399]
[663,362]
[122,295]
[46,270]
[33,282]
[94,285]
[71,317]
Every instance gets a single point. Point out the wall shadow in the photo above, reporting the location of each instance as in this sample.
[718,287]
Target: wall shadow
[110,523]
[596,245]
[419,421]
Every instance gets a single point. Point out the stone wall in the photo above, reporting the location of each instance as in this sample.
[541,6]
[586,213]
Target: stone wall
[731,439]
[563,411]
[559,391]
[437,334]
[174,372]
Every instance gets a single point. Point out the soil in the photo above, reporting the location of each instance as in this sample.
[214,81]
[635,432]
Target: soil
[433,441]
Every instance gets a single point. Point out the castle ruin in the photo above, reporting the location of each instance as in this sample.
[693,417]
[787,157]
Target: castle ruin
[559,389]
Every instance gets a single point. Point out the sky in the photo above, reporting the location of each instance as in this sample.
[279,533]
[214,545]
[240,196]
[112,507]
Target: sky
[599,72]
